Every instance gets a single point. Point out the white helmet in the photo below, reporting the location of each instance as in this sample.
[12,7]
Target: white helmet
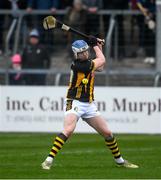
[79,46]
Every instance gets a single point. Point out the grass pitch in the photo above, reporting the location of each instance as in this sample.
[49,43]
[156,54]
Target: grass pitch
[84,156]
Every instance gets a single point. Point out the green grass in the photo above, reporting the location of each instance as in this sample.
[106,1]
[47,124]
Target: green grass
[84,156]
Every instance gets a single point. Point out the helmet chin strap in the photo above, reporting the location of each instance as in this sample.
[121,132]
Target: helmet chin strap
[75,55]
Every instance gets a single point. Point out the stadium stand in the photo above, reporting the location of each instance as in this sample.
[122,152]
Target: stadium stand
[127,70]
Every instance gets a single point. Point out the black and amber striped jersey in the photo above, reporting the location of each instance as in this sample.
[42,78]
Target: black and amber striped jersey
[81,84]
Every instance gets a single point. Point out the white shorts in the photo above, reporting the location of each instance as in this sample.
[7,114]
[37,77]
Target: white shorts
[84,110]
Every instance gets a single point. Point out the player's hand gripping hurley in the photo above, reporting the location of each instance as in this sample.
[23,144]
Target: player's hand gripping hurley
[51,22]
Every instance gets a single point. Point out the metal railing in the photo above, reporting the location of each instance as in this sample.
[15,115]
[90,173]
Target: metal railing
[112,29]
[157,79]
[20,14]
[56,80]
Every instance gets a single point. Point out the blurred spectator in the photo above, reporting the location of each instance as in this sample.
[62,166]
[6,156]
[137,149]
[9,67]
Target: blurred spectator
[22,4]
[117,5]
[93,23]
[51,5]
[76,18]
[148,6]
[146,35]
[133,4]
[35,56]
[7,19]
[4,22]
[16,78]
[1,30]
[65,4]
[134,21]
[6,4]
[42,4]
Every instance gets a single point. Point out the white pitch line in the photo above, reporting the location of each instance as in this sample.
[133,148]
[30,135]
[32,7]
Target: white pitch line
[84,151]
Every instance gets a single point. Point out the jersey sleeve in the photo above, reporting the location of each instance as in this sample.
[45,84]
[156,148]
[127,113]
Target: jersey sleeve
[85,67]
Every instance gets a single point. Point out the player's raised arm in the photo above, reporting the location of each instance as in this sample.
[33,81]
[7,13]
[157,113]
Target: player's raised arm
[100,58]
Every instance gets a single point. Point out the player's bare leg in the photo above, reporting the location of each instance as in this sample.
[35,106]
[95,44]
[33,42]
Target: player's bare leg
[69,126]
[100,125]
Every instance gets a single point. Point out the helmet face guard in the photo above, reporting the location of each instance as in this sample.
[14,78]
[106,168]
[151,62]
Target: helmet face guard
[79,46]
